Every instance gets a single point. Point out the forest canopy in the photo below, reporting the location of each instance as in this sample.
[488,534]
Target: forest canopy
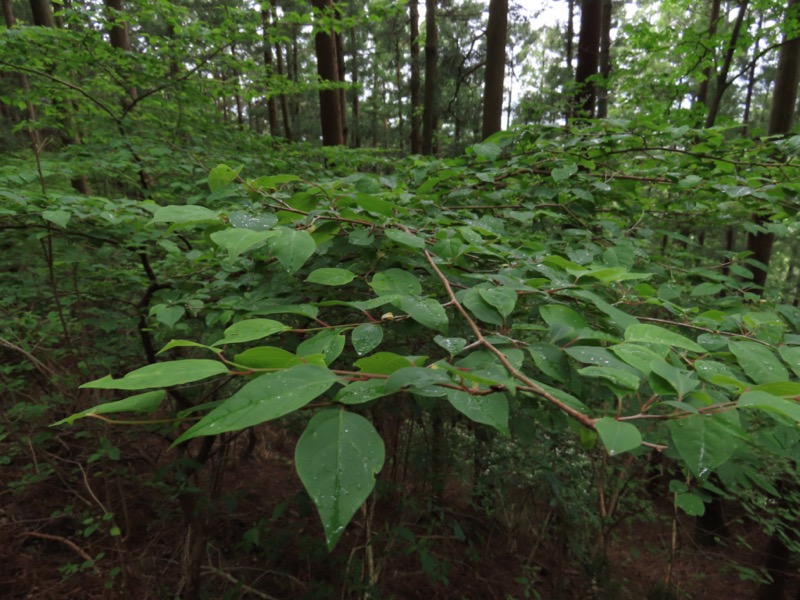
[373,299]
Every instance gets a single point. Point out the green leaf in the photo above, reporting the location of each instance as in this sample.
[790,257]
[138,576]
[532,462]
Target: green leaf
[453,345]
[427,312]
[601,357]
[249,330]
[479,307]
[292,247]
[759,362]
[59,217]
[707,289]
[383,363]
[329,343]
[653,334]
[791,356]
[406,239]
[267,357]
[264,398]
[769,403]
[239,241]
[677,378]
[559,174]
[691,504]
[491,409]
[222,176]
[487,151]
[337,458]
[618,377]
[273,182]
[618,436]
[704,442]
[366,337]
[396,281]
[550,360]
[639,357]
[145,403]
[375,205]
[421,379]
[163,374]
[330,276]
[169,315]
[503,299]
[558,315]
[184,214]
[360,392]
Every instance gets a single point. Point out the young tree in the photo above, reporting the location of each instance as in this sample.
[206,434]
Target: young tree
[496,34]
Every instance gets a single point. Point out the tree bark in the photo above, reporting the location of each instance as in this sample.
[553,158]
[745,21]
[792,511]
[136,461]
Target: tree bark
[431,77]
[272,105]
[414,83]
[722,82]
[708,72]
[328,70]
[605,60]
[42,13]
[588,58]
[355,107]
[496,35]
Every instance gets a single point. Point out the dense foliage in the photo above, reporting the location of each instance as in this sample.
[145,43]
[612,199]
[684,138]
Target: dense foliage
[554,331]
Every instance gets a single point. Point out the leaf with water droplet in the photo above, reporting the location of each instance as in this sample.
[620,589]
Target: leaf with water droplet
[618,436]
[337,458]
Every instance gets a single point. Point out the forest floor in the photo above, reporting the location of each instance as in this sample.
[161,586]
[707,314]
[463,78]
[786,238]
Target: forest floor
[259,535]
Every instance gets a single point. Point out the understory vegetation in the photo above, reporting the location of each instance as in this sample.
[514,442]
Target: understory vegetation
[547,363]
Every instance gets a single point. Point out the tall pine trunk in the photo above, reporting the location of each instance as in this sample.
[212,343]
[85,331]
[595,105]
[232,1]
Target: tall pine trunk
[496,34]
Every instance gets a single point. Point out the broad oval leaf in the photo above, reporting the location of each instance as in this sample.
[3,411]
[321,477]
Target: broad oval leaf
[618,436]
[491,409]
[239,241]
[146,402]
[337,458]
[163,374]
[704,441]
[653,334]
[758,361]
[190,213]
[249,330]
[264,398]
[396,281]
[427,312]
[366,337]
[292,247]
[331,276]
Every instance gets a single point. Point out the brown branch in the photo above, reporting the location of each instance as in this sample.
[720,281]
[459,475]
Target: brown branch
[531,385]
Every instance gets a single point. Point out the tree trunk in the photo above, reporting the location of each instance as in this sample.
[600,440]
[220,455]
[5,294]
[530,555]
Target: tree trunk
[328,70]
[588,58]
[118,33]
[42,13]
[751,80]
[605,59]
[570,50]
[414,83]
[431,77]
[355,107]
[496,34]
[272,105]
[722,82]
[339,39]
[781,117]
[708,72]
